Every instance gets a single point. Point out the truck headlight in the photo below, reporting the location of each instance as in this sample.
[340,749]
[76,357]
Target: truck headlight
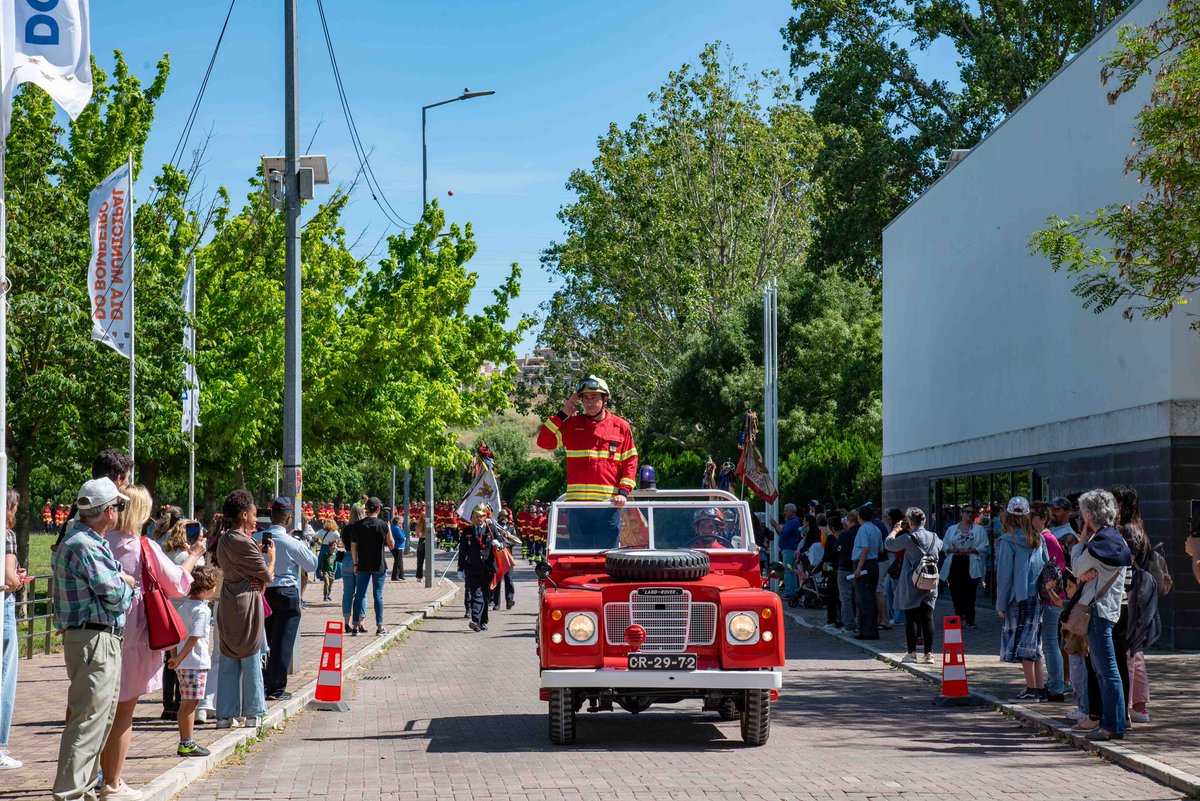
[581,628]
[742,627]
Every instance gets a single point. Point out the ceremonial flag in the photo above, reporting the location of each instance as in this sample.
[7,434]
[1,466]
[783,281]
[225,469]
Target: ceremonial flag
[751,468]
[47,44]
[191,393]
[110,274]
[485,489]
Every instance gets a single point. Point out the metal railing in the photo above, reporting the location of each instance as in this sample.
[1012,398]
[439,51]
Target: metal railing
[35,614]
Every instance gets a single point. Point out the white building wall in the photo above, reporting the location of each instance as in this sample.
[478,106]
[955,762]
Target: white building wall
[984,346]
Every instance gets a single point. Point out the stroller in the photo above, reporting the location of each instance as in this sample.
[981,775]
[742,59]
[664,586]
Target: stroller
[810,578]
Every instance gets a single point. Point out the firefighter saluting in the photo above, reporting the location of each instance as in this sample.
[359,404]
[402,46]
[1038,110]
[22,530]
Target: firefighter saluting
[601,459]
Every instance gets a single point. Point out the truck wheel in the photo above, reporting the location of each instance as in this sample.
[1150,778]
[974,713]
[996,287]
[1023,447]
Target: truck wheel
[641,565]
[562,716]
[756,717]
[728,709]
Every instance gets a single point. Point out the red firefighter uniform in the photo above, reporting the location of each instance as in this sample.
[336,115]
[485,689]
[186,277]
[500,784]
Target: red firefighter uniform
[60,515]
[601,458]
[47,515]
[524,524]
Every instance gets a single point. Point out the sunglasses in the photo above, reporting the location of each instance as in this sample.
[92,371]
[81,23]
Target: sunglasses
[119,506]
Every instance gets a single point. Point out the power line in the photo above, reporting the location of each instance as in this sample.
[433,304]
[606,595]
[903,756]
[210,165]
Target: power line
[186,134]
[360,151]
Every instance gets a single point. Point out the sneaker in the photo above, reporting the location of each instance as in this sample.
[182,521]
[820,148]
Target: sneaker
[1076,715]
[1028,694]
[379,631]
[255,722]
[190,749]
[830,627]
[227,723]
[7,762]
[202,716]
[1085,725]
[1134,715]
[361,629]
[1054,698]
[1099,735]
[509,604]
[279,696]
[926,659]
[474,626]
[483,626]
[122,791]
[910,657]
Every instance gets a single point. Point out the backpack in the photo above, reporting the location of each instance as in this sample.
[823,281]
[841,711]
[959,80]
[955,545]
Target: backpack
[1145,626]
[925,575]
[1156,564]
[1051,573]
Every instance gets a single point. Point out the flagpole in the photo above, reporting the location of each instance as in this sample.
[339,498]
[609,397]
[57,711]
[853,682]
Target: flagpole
[3,383]
[132,338]
[192,398]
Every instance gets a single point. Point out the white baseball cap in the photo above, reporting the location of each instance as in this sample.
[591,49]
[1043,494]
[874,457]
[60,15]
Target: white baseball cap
[98,493]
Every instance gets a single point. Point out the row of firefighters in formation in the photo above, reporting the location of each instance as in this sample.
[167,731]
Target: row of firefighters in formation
[531,522]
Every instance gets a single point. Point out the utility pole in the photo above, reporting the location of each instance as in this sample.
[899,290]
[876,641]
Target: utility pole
[292,461]
[430,539]
[407,522]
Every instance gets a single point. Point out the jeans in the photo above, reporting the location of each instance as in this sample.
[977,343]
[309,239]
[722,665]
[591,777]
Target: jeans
[1079,681]
[240,688]
[846,599]
[791,582]
[360,595]
[281,629]
[1054,664]
[8,689]
[1078,666]
[1104,662]
[348,584]
[919,623]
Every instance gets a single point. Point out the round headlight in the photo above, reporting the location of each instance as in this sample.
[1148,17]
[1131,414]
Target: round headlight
[581,628]
[742,626]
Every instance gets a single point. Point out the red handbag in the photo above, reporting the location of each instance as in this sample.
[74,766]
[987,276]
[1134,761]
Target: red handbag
[163,624]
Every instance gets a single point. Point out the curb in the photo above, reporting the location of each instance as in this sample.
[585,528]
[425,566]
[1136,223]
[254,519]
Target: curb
[1127,758]
[176,779]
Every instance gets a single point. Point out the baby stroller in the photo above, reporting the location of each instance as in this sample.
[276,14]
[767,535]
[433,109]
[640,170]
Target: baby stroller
[810,578]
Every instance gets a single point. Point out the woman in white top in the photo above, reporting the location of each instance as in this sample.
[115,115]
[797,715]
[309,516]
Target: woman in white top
[966,546]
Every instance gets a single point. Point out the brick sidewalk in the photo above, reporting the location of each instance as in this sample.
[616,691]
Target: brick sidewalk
[1169,737]
[42,692]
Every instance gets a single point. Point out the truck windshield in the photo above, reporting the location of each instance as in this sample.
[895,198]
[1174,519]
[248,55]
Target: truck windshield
[601,527]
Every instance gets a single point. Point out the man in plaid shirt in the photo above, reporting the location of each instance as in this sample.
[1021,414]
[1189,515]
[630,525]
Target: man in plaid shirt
[91,597]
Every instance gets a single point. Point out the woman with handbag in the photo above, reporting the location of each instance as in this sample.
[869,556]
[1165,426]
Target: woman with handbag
[1020,554]
[1100,561]
[1049,592]
[966,543]
[917,586]
[141,662]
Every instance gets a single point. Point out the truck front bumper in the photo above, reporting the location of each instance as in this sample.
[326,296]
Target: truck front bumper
[606,678]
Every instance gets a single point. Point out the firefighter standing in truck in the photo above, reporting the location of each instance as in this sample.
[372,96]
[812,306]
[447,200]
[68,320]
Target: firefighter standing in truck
[601,462]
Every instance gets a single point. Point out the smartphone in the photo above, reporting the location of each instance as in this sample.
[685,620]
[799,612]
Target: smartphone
[193,532]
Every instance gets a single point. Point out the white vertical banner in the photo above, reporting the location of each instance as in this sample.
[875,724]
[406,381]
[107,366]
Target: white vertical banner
[191,393]
[47,43]
[110,274]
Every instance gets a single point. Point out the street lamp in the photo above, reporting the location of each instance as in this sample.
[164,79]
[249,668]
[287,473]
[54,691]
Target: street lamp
[430,539]
[466,95]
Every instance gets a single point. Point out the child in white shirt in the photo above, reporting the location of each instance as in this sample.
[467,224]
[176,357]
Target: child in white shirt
[193,656]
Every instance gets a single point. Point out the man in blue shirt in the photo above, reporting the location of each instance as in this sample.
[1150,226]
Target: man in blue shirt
[283,596]
[789,541]
[868,544]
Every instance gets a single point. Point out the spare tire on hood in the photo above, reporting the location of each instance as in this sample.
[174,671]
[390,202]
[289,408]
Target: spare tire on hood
[647,565]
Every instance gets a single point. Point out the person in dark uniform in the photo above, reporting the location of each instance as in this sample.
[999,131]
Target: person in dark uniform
[510,539]
[477,562]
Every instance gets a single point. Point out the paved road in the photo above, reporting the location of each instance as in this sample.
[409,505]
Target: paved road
[450,714]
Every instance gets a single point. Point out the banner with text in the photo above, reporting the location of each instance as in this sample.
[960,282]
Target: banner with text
[110,275]
[47,44]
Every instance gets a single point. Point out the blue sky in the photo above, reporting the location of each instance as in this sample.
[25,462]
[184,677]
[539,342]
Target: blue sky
[562,71]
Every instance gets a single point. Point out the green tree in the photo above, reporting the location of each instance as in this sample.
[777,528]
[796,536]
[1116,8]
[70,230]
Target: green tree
[68,393]
[680,215]
[1143,255]
[889,123]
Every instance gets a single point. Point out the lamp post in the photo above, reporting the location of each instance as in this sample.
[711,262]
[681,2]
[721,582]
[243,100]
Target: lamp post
[429,536]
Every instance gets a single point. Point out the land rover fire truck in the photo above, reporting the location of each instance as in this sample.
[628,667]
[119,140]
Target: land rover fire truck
[654,603]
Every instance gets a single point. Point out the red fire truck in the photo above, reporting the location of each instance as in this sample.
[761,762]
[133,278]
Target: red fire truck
[657,603]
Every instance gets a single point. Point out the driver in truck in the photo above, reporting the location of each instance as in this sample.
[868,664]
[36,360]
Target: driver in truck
[709,525]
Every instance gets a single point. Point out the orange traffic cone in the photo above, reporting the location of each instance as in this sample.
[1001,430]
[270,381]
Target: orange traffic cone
[329,675]
[954,663]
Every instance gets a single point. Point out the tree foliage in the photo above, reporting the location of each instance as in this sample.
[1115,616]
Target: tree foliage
[890,123]
[680,215]
[1144,255]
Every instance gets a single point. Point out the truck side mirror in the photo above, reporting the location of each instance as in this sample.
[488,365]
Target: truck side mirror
[542,571]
